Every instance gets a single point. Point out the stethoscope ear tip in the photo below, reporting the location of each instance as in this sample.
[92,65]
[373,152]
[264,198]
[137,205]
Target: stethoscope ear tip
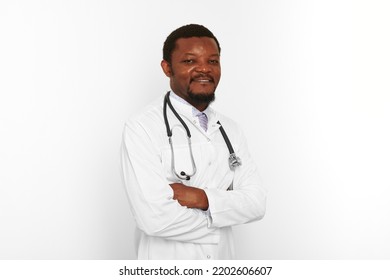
[234,161]
[186,176]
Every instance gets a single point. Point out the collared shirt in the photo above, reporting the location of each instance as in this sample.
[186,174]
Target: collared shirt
[195,111]
[167,229]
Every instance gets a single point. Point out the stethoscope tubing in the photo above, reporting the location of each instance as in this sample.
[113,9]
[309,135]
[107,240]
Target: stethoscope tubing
[234,161]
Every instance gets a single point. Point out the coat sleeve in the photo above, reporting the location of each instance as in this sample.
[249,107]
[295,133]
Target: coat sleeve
[246,202]
[151,197]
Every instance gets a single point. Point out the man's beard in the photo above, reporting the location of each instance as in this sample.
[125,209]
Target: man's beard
[201,98]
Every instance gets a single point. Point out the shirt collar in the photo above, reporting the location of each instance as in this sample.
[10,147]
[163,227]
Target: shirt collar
[208,111]
[189,112]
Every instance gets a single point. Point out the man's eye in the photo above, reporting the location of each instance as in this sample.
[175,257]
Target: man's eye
[214,61]
[188,61]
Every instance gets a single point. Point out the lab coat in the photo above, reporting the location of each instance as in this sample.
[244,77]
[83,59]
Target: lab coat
[166,229]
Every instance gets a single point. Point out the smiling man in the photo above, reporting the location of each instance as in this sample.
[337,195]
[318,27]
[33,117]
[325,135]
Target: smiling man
[187,170]
[194,70]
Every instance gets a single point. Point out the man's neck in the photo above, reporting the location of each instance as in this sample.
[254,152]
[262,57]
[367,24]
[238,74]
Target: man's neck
[200,106]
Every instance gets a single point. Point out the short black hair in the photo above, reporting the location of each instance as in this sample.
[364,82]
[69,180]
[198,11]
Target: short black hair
[186,31]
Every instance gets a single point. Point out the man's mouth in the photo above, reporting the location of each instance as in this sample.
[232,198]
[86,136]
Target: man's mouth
[202,79]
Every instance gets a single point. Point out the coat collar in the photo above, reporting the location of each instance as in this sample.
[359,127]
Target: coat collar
[189,112]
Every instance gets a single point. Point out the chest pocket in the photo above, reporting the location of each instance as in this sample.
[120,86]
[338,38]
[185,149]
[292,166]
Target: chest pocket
[211,160]
[181,161]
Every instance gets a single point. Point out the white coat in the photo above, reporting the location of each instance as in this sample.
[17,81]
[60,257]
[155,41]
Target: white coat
[167,229]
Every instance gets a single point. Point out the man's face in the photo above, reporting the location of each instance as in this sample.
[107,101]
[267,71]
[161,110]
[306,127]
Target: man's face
[194,70]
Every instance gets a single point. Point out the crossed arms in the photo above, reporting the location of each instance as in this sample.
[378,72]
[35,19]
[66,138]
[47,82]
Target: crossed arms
[190,196]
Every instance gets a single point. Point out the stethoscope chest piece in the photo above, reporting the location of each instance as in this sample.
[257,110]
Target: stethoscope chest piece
[234,161]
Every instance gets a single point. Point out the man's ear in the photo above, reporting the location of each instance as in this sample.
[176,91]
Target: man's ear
[166,67]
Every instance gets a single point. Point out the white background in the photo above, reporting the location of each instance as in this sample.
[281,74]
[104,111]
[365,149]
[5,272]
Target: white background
[307,80]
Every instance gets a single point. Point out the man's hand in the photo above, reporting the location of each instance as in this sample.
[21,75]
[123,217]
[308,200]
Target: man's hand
[190,196]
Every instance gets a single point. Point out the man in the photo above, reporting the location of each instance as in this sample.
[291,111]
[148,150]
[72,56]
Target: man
[186,197]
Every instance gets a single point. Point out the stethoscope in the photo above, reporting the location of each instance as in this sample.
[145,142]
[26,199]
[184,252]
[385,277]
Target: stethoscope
[234,161]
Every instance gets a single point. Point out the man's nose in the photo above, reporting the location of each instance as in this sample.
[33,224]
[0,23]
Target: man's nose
[203,67]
